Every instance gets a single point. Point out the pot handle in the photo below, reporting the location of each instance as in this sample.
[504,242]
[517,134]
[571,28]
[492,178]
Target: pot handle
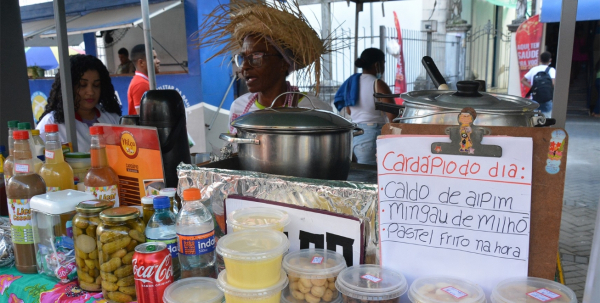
[358,131]
[299,93]
[233,139]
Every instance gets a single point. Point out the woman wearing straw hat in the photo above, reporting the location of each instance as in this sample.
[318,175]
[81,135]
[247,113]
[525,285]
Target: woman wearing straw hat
[275,40]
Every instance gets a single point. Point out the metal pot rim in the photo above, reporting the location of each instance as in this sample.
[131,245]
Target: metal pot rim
[429,100]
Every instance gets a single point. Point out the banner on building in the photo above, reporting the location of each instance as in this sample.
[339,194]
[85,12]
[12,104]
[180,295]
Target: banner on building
[529,40]
[400,82]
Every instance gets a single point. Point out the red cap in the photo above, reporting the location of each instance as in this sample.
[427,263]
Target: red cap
[96,130]
[51,128]
[191,194]
[20,135]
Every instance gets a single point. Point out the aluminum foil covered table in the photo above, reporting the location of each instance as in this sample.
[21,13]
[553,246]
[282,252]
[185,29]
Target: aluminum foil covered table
[219,179]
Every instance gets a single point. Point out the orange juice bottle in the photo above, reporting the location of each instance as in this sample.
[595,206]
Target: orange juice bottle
[101,180]
[57,173]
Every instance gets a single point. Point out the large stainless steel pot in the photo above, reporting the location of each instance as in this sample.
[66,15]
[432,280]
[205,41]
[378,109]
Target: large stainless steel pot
[300,142]
[443,106]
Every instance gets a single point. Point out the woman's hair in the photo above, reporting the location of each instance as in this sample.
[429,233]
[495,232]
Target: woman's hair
[369,57]
[79,65]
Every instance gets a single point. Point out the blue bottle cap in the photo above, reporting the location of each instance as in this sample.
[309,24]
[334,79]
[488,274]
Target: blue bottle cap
[161,202]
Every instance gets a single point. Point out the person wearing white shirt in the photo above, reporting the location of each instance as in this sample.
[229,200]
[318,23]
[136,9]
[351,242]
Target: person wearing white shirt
[95,101]
[527,81]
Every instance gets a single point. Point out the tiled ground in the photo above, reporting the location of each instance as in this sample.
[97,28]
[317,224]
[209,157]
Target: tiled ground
[582,193]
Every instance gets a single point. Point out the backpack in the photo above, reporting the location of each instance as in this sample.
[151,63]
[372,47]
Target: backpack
[542,89]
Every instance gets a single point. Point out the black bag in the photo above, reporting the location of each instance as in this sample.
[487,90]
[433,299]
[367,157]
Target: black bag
[542,89]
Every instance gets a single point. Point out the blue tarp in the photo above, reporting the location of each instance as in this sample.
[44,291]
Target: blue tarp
[586,10]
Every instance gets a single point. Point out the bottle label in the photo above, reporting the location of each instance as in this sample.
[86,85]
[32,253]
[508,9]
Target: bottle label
[171,245]
[196,244]
[20,221]
[49,154]
[108,193]
[50,189]
[22,168]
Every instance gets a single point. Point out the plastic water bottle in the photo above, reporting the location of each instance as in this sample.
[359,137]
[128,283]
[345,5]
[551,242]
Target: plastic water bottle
[196,235]
[161,228]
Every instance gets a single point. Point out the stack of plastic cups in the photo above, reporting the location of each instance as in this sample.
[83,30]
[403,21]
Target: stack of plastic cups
[252,258]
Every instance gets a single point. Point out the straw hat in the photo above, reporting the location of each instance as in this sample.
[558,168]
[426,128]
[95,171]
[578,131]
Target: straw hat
[280,23]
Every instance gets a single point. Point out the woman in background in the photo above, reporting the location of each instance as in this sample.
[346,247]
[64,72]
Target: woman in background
[356,95]
[95,100]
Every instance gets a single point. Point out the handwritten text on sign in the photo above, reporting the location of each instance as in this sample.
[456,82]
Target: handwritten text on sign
[453,215]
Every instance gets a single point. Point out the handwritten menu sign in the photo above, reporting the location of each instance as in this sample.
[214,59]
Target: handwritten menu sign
[456,215]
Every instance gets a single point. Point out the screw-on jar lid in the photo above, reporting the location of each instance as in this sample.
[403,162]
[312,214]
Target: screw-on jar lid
[93,206]
[120,214]
[161,202]
[24,126]
[191,194]
[251,294]
[253,245]
[148,200]
[169,192]
[443,289]
[195,289]
[532,289]
[96,130]
[51,128]
[371,283]
[13,123]
[20,135]
[314,263]
[35,132]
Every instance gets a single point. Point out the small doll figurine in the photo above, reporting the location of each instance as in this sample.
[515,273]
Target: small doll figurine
[465,119]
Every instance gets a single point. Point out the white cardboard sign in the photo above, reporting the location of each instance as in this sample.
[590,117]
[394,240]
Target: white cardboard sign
[313,227]
[454,215]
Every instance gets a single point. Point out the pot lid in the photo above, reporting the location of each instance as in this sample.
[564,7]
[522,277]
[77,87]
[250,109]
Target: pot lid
[468,96]
[292,118]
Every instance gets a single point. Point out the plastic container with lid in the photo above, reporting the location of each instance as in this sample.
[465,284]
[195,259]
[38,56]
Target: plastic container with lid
[267,294]
[442,289]
[312,274]
[119,233]
[193,290]
[51,219]
[80,163]
[85,223]
[531,290]
[286,297]
[371,283]
[257,218]
[147,208]
[253,257]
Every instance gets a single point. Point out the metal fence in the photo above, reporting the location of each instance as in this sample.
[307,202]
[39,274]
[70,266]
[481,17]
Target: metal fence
[488,56]
[445,51]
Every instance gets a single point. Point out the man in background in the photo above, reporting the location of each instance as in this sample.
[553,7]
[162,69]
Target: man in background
[140,83]
[540,81]
[126,66]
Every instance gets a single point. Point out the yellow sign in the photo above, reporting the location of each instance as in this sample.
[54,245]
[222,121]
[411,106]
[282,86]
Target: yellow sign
[128,145]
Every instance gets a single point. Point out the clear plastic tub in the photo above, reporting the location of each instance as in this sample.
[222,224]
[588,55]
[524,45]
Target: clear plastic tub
[371,283]
[532,290]
[193,290]
[270,294]
[286,297]
[312,274]
[253,257]
[442,289]
[257,218]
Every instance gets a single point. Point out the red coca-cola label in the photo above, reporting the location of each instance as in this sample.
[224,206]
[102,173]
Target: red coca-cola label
[153,272]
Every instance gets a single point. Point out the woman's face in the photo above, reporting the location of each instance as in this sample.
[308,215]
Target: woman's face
[89,90]
[272,70]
